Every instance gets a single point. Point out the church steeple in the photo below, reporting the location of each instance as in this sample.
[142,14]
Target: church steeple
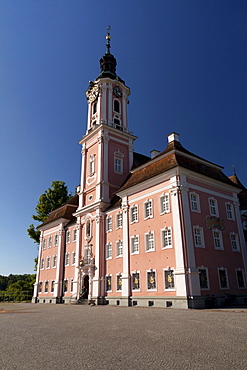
[108,62]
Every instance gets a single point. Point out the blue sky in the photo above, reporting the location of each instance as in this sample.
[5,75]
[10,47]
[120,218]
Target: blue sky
[184,61]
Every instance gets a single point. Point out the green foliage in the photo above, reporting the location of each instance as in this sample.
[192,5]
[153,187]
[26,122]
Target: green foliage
[52,198]
[16,287]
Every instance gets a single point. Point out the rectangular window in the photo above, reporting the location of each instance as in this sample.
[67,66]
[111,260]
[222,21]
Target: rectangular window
[218,244]
[198,236]
[54,263]
[66,259]
[40,287]
[213,207]
[134,214]
[56,240]
[109,224]
[108,283]
[203,278]
[136,281]
[73,258]
[46,286]
[118,165]
[44,244]
[151,280]
[48,262]
[42,264]
[119,282]
[169,279]
[148,209]
[68,237]
[150,242]
[52,286]
[71,285]
[108,251]
[119,220]
[65,286]
[119,248]
[229,211]
[194,202]
[165,204]
[240,278]
[135,244]
[50,242]
[234,242]
[223,278]
[75,235]
[167,238]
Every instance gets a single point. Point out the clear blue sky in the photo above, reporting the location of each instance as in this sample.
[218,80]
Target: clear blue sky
[184,60]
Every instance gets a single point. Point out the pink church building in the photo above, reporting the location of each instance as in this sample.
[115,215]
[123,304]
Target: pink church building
[164,231]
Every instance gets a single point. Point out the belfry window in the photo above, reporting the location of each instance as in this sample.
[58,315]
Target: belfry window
[116,106]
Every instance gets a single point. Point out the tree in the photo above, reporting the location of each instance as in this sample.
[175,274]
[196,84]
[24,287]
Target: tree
[51,199]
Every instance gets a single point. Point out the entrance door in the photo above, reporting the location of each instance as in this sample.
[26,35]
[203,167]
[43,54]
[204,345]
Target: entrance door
[86,285]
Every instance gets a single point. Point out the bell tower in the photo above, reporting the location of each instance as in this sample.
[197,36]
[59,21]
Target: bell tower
[107,147]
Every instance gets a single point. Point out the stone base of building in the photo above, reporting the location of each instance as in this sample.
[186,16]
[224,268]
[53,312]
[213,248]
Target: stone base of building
[161,302]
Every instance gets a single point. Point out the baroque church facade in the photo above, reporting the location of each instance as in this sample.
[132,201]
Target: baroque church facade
[164,231]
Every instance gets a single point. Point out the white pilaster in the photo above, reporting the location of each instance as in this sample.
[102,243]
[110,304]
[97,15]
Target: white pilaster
[180,280]
[241,236]
[35,290]
[60,262]
[78,244]
[89,115]
[103,102]
[126,267]
[96,282]
[109,103]
[83,169]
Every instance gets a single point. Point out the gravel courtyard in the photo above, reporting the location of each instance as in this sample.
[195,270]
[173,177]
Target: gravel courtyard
[43,336]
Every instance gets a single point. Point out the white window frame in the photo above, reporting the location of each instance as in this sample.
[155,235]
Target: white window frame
[119,248]
[236,242]
[119,112]
[148,211]
[52,286]
[108,276]
[67,259]
[108,251]
[223,269]
[91,164]
[74,235]
[73,258]
[215,207]
[67,237]
[50,242]
[206,269]
[118,162]
[54,261]
[46,287]
[119,220]
[173,289]
[132,219]
[56,240]
[218,238]
[168,231]
[71,285]
[195,203]
[44,244]
[42,264]
[230,212]
[135,240]
[156,280]
[149,241]
[40,286]
[48,262]
[132,288]
[119,276]
[197,236]
[243,275]
[108,224]
[165,203]
[67,288]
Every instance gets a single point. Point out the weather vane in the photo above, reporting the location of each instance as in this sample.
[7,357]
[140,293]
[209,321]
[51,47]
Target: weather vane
[234,169]
[108,38]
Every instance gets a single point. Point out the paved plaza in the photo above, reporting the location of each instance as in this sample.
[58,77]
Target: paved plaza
[46,336]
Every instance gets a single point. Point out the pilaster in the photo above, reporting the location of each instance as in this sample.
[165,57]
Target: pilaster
[60,262]
[126,266]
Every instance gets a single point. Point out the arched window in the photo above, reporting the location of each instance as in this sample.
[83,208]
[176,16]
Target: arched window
[116,106]
[94,108]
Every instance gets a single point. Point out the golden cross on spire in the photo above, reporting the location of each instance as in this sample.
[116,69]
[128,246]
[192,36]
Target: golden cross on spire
[108,38]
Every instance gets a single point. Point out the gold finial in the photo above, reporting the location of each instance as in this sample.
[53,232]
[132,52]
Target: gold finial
[108,38]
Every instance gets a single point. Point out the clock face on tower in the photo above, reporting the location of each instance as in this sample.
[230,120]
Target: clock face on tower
[93,93]
[117,92]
